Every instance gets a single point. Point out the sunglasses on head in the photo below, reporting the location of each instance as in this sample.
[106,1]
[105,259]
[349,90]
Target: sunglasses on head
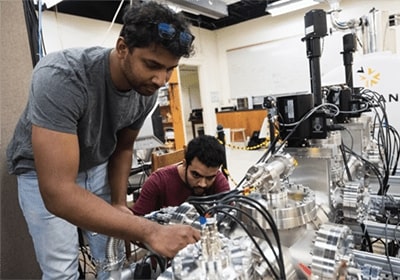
[168,32]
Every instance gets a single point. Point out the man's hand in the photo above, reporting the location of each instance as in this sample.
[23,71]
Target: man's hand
[168,240]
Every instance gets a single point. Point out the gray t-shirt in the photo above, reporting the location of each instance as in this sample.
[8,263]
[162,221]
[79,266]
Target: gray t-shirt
[72,92]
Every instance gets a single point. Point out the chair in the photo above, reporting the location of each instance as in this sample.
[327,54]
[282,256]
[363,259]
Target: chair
[161,160]
[242,131]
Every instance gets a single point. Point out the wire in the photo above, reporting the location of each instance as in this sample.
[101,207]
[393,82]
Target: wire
[387,250]
[366,237]
[85,256]
[362,110]
[113,21]
[234,196]
[264,212]
[59,31]
[199,201]
[370,165]
[395,232]
[386,136]
[342,149]
[160,261]
[250,236]
[305,117]
[345,161]
[211,199]
[40,51]
[144,172]
[31,22]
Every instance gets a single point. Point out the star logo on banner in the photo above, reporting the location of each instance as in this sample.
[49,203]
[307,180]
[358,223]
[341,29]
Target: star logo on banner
[370,78]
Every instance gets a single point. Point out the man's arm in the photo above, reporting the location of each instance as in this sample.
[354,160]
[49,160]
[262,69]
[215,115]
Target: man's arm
[57,160]
[119,166]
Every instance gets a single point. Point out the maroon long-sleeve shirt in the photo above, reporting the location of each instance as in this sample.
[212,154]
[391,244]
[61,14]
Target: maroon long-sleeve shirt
[165,188]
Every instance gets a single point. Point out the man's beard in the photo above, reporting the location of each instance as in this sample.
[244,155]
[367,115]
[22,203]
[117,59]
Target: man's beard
[195,190]
[198,190]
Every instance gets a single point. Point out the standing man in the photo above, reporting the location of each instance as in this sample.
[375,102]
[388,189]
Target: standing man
[72,147]
[198,174]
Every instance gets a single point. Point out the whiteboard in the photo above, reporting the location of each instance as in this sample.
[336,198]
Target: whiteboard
[269,68]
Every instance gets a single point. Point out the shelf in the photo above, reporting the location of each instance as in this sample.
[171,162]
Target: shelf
[170,110]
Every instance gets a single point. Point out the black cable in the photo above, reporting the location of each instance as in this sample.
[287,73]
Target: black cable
[387,249]
[32,24]
[199,201]
[366,238]
[82,271]
[263,211]
[271,149]
[212,198]
[351,137]
[346,163]
[262,231]
[370,165]
[144,171]
[231,197]
[304,118]
[252,239]
[160,261]
[389,156]
[266,215]
[396,150]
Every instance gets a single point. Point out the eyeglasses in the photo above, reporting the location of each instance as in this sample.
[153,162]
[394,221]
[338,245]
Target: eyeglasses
[168,32]
[197,175]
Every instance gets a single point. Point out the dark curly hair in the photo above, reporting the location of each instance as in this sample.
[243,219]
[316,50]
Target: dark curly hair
[140,27]
[207,149]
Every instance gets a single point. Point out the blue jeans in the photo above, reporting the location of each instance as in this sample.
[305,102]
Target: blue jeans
[56,240]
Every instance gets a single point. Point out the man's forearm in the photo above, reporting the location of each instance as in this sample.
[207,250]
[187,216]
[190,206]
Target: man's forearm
[119,167]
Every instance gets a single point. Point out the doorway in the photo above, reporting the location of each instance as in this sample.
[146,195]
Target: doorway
[191,99]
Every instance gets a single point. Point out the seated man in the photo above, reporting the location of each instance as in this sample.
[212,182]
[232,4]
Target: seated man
[197,175]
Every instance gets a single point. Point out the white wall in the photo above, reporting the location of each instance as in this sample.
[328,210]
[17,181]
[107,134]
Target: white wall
[206,59]
[64,31]
[190,93]
[61,31]
[272,29]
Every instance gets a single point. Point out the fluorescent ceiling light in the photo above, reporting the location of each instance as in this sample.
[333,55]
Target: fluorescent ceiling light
[212,8]
[287,6]
[47,3]
[175,8]
[229,2]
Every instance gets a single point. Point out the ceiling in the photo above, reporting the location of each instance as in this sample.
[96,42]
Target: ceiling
[238,10]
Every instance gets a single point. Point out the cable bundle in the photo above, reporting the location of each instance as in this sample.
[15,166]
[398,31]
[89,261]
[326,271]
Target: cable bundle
[227,205]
